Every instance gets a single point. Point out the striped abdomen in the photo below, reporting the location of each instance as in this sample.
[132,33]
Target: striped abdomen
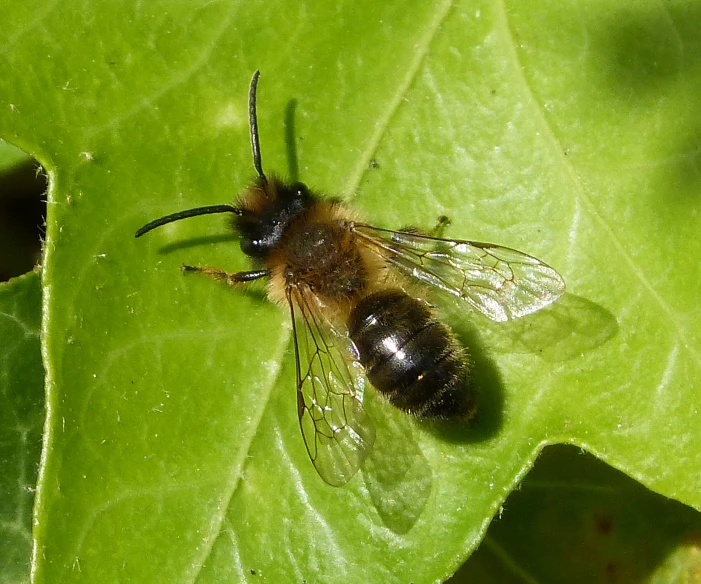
[410,357]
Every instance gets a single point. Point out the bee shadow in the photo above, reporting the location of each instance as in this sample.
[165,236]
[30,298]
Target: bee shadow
[562,331]
[252,290]
[197,242]
[397,475]
[291,140]
[565,330]
[488,387]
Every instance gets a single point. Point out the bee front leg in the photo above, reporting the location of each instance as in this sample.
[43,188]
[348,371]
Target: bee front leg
[229,278]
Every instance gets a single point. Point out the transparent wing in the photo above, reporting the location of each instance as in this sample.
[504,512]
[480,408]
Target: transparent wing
[501,283]
[330,382]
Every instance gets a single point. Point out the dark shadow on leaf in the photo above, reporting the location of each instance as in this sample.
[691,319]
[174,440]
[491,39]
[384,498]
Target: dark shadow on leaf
[22,213]
[650,55]
[565,330]
[684,183]
[570,502]
[290,140]
[562,331]
[643,47]
[396,474]
[197,242]
[252,290]
[487,384]
[257,294]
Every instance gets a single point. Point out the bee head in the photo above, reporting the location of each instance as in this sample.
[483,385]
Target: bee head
[266,212]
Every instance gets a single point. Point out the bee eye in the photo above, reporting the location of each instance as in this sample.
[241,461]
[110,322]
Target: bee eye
[250,246]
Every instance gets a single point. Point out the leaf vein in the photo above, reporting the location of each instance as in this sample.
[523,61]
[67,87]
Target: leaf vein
[583,195]
[381,126]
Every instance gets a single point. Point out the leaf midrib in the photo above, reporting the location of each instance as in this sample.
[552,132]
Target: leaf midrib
[558,154]
[356,176]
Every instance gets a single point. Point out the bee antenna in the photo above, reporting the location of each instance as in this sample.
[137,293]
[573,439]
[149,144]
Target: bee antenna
[253,122]
[188,213]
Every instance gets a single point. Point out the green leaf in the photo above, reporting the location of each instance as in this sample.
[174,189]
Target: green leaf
[173,449]
[21,418]
[11,157]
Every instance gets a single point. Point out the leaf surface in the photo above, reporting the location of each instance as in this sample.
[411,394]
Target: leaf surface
[173,448]
[21,418]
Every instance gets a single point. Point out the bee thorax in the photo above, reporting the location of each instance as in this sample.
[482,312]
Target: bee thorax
[323,257]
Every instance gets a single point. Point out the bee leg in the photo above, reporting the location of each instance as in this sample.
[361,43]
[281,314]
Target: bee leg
[441,224]
[437,231]
[229,278]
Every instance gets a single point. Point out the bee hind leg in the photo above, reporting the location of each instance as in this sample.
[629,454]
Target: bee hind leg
[436,231]
[439,228]
[232,279]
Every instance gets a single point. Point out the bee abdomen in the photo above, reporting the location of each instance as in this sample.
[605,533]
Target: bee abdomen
[410,357]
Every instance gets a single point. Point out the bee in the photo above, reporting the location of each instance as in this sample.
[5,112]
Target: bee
[347,287]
